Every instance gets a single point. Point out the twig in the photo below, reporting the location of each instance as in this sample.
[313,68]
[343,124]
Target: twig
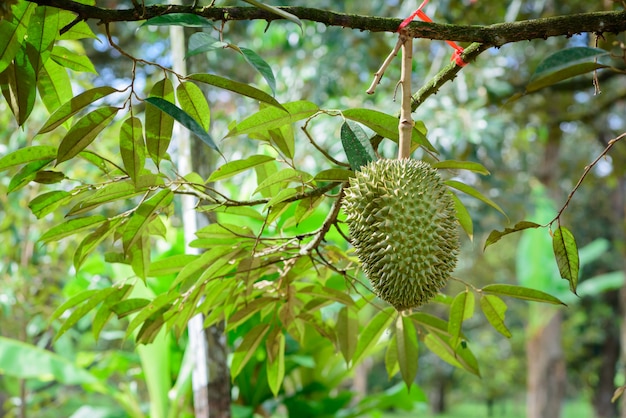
[405,126]
[331,218]
[378,75]
[582,177]
[322,150]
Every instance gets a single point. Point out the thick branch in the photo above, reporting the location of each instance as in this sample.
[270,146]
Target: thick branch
[492,35]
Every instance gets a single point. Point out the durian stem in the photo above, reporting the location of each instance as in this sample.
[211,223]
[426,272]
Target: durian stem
[405,127]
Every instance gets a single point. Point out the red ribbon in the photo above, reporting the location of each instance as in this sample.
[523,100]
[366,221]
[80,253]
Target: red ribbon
[458,50]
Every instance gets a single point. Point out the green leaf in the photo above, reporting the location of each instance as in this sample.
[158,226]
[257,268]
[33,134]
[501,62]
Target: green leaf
[462,308]
[27,155]
[48,202]
[460,357]
[91,241]
[170,265]
[463,216]
[120,190]
[276,366]
[495,236]
[139,255]
[26,175]
[347,328]
[19,86]
[13,32]
[430,322]
[129,306]
[474,193]
[356,145]
[72,60]
[84,132]
[149,314]
[369,337]
[143,215]
[248,346]
[192,100]
[283,176]
[71,302]
[406,337]
[54,85]
[236,87]
[200,42]
[259,64]
[277,11]
[235,167]
[179,19]
[104,313]
[42,32]
[75,105]
[71,227]
[391,357]
[461,165]
[520,292]
[565,64]
[159,124]
[132,147]
[81,311]
[26,361]
[494,309]
[334,175]
[184,119]
[386,125]
[284,139]
[49,177]
[272,118]
[566,254]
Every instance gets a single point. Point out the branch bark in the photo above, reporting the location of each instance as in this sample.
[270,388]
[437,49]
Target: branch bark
[491,35]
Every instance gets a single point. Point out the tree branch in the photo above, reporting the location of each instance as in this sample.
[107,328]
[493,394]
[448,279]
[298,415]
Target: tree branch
[491,35]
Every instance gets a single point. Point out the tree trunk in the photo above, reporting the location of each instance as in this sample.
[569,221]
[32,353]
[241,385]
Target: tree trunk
[211,376]
[546,370]
[603,391]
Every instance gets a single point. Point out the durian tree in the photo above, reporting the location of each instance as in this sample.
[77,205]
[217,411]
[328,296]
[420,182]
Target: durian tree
[293,248]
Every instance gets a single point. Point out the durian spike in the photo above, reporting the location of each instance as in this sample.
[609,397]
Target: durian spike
[405,126]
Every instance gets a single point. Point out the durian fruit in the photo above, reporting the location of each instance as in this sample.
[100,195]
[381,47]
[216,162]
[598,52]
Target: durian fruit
[403,226]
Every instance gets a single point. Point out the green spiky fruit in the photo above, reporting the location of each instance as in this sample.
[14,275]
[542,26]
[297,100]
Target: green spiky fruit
[403,226]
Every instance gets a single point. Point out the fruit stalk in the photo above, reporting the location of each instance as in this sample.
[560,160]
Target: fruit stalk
[405,126]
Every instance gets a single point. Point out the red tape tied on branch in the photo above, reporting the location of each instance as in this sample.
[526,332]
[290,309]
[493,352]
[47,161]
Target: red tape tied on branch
[458,50]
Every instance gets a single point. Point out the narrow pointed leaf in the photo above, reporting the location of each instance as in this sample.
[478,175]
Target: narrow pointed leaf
[565,64]
[494,309]
[495,236]
[356,145]
[566,254]
[184,119]
[142,217]
[84,309]
[91,241]
[104,313]
[369,337]
[347,332]
[460,357]
[334,174]
[272,118]
[179,19]
[151,310]
[132,147]
[406,337]
[158,124]
[247,348]
[75,105]
[520,292]
[430,322]
[192,100]
[13,32]
[235,167]
[48,202]
[236,87]
[42,32]
[27,155]
[462,308]
[25,85]
[72,60]
[463,216]
[391,356]
[200,42]
[54,85]
[71,302]
[276,368]
[260,65]
[84,132]
[71,227]
[461,165]
[474,193]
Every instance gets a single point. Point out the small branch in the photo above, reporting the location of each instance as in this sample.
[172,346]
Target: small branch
[405,126]
[331,218]
[582,177]
[378,75]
